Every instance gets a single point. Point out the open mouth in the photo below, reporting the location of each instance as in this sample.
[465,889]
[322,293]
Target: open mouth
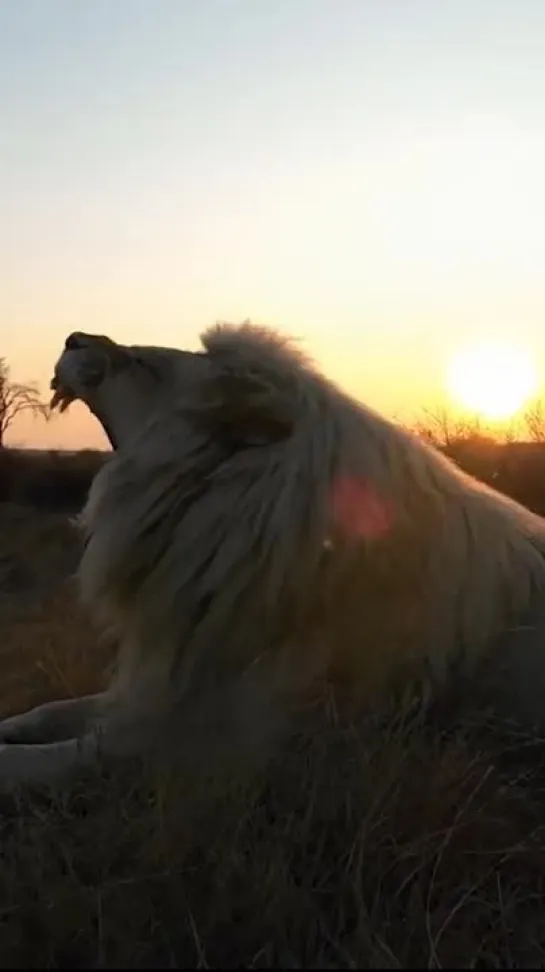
[61,397]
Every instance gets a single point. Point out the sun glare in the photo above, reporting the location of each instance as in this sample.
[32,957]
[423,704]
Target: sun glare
[494,380]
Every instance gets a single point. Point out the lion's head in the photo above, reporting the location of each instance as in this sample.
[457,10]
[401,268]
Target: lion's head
[124,386]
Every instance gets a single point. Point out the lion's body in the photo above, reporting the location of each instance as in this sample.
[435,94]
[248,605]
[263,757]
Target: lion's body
[216,552]
[179,520]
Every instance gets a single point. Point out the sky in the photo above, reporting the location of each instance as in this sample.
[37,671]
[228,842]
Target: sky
[367,175]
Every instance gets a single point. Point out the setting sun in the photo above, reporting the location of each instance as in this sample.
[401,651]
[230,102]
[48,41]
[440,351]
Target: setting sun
[494,380]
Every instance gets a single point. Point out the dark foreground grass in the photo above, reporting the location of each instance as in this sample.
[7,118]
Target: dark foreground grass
[361,845]
[355,849]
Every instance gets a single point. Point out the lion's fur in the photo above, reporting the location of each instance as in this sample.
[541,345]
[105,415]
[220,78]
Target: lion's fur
[210,542]
[214,550]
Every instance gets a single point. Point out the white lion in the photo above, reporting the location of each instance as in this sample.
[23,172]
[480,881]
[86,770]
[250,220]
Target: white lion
[258,531]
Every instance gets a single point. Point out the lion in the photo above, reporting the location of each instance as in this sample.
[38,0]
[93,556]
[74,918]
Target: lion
[258,533]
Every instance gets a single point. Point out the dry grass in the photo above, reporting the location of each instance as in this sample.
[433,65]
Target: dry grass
[362,846]
[48,648]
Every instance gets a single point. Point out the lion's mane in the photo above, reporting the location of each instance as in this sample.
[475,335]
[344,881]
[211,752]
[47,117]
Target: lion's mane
[211,540]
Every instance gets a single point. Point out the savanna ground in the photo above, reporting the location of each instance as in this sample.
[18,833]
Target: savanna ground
[361,846]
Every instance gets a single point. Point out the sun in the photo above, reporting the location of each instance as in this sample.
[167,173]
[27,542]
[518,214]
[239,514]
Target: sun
[492,379]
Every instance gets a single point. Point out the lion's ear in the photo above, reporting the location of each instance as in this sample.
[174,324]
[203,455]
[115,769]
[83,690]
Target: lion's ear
[256,384]
[244,409]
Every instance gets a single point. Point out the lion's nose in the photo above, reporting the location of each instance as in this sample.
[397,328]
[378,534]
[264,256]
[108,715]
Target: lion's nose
[74,341]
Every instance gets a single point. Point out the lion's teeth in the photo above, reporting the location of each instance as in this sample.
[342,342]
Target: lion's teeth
[60,400]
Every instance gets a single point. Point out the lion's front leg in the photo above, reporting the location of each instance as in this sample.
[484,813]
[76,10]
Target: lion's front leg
[46,763]
[63,719]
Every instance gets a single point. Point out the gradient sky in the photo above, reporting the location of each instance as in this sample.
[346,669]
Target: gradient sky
[366,174]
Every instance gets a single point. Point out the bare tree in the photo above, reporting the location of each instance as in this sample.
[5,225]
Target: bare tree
[534,420]
[15,399]
[442,428]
